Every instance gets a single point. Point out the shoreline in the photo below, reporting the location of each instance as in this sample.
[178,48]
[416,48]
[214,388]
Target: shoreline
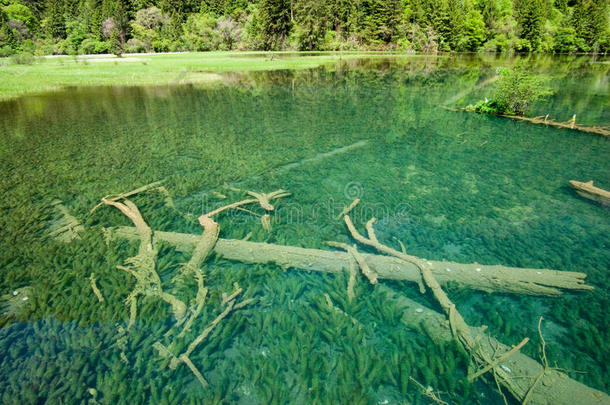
[56,72]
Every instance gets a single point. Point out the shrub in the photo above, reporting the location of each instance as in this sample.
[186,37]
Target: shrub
[89,46]
[565,40]
[62,47]
[199,33]
[485,106]
[44,47]
[516,91]
[23,58]
[161,45]
[134,45]
[5,51]
[77,33]
[498,44]
[150,18]
[524,45]
[101,47]
[331,41]
[229,31]
[21,13]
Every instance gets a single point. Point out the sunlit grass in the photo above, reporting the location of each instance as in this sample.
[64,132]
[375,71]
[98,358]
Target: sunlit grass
[53,73]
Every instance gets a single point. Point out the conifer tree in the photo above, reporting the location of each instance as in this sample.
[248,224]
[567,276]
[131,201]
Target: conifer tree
[590,20]
[531,18]
[275,21]
[310,17]
[55,21]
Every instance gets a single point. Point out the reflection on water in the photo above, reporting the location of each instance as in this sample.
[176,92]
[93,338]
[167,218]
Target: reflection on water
[454,186]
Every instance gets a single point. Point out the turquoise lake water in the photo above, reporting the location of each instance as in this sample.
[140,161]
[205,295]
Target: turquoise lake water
[450,185]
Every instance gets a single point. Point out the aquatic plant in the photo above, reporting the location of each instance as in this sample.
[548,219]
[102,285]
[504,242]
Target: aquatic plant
[17,303]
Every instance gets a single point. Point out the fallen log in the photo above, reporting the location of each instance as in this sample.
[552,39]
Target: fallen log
[543,120]
[490,278]
[522,376]
[564,125]
[588,190]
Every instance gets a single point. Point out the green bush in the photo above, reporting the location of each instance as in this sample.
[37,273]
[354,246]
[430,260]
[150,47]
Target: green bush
[161,45]
[23,58]
[516,91]
[44,47]
[6,51]
[565,40]
[63,47]
[20,13]
[134,45]
[90,46]
[485,106]
[524,45]
[199,33]
[499,43]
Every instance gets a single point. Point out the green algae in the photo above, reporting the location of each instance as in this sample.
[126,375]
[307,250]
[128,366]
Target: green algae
[498,192]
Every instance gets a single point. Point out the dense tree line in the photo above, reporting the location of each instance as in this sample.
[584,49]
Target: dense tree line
[101,26]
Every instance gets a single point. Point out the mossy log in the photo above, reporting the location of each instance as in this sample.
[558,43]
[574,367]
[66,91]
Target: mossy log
[517,373]
[490,278]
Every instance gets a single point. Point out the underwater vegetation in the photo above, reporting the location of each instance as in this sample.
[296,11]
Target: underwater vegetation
[16,304]
[448,186]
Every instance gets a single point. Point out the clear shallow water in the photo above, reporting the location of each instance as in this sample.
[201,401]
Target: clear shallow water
[458,186]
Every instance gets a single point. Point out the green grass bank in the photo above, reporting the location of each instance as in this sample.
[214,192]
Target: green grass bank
[53,73]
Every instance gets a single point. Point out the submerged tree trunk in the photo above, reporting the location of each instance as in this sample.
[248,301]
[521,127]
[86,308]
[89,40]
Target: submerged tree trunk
[490,278]
[521,375]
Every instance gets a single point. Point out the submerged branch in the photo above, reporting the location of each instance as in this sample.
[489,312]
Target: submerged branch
[517,373]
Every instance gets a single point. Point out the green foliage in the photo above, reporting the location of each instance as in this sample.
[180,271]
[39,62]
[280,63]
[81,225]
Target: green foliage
[516,91]
[114,44]
[93,46]
[275,23]
[199,33]
[24,58]
[590,20]
[474,31]
[420,25]
[54,22]
[21,13]
[311,24]
[530,16]
[565,40]
[150,18]
[485,106]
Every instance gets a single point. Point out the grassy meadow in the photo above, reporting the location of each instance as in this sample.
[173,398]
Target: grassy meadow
[53,73]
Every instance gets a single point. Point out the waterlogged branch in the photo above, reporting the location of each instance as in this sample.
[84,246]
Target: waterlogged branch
[516,373]
[498,360]
[96,290]
[364,267]
[460,329]
[142,266]
[523,377]
[117,197]
[263,199]
[348,209]
[230,305]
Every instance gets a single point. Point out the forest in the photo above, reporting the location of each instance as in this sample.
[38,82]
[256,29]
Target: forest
[73,27]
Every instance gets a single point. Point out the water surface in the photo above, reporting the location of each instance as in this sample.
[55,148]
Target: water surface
[456,186]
